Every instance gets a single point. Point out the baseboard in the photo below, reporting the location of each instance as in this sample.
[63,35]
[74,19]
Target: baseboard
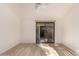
[1,52]
[72,50]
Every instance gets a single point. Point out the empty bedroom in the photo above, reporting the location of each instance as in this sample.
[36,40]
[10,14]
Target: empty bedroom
[39,29]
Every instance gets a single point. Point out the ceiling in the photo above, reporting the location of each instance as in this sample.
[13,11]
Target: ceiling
[55,10]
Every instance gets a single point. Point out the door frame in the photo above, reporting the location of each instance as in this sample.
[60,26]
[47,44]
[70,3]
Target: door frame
[46,22]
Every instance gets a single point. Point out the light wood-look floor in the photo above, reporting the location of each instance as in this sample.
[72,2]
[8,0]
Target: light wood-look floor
[39,50]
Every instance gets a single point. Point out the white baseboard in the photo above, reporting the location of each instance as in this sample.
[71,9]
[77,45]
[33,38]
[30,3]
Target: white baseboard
[9,48]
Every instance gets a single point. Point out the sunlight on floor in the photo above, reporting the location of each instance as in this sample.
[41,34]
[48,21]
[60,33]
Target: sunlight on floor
[77,51]
[49,51]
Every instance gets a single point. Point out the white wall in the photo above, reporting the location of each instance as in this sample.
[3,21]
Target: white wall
[46,13]
[71,28]
[9,28]
[13,28]
[29,29]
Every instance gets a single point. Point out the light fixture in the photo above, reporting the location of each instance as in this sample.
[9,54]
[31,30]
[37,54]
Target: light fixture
[37,5]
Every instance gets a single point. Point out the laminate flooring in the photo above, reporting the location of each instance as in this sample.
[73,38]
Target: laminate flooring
[42,49]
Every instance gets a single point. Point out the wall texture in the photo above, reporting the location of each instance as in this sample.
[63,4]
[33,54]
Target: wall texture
[52,12]
[29,29]
[9,28]
[17,24]
[71,28]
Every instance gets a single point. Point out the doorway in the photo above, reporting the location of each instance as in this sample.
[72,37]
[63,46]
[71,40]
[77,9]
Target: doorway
[45,32]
